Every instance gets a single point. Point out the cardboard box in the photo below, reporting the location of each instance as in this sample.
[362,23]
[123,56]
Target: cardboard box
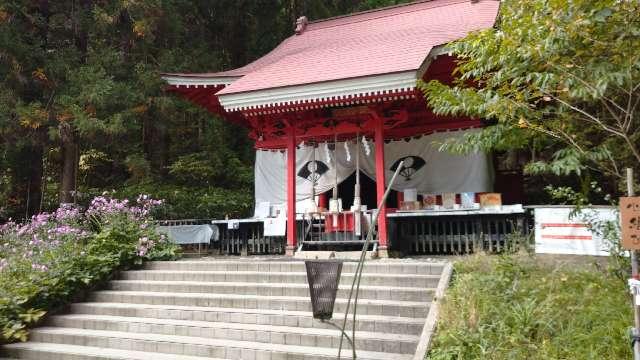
[410,195]
[491,201]
[468,200]
[449,200]
[410,205]
[429,201]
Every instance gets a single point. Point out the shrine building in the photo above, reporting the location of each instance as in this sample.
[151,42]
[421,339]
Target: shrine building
[333,110]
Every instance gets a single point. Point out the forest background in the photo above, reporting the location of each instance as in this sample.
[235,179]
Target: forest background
[83,109]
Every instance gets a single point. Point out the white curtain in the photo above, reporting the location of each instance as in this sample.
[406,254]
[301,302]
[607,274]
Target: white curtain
[430,171]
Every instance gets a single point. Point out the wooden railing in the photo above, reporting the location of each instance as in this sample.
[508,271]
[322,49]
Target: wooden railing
[249,239]
[456,234]
[459,234]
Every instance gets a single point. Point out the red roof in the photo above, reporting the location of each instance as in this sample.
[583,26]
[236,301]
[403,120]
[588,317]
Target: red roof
[377,42]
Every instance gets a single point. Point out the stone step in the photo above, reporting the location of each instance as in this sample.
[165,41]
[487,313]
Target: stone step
[196,346]
[50,351]
[396,280]
[372,323]
[247,309]
[371,266]
[293,303]
[286,335]
[265,289]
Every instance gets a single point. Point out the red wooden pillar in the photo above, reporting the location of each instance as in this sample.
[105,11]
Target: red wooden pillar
[380,185]
[291,192]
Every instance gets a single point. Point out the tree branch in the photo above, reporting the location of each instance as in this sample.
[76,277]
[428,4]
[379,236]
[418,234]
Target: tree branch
[633,148]
[589,116]
[585,83]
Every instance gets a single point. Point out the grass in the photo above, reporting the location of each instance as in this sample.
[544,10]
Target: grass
[519,307]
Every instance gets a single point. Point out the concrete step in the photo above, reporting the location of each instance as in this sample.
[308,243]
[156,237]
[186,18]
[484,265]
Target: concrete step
[396,280]
[291,303]
[265,289]
[371,267]
[50,351]
[285,335]
[372,323]
[196,346]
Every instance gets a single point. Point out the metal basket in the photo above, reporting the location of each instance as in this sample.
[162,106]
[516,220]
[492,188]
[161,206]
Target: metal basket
[323,277]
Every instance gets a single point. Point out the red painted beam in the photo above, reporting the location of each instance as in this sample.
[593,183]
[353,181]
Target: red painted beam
[300,106]
[419,130]
[278,143]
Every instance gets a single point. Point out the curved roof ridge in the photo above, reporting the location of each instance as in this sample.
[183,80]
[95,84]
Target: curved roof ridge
[387,11]
[369,45]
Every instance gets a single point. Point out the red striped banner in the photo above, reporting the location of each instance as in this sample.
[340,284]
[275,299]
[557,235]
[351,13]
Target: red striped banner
[568,237]
[563,225]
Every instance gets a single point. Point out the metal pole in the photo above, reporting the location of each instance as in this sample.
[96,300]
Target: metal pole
[635,332]
[313,172]
[358,273]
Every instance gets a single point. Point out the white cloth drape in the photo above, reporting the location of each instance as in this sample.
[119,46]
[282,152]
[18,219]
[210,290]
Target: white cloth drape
[431,171]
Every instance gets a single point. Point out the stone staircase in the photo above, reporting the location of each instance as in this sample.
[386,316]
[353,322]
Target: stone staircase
[247,309]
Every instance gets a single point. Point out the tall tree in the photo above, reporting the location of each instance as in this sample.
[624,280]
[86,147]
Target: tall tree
[80,91]
[561,75]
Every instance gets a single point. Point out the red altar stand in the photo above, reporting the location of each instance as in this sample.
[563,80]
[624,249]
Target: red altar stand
[343,221]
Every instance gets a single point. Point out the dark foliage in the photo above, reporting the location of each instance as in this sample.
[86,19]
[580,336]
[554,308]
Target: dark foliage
[82,104]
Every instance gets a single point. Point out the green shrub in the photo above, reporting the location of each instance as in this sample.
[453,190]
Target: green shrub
[51,259]
[180,201]
[197,202]
[514,307]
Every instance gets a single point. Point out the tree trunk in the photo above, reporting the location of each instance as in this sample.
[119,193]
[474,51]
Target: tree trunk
[81,34]
[69,140]
[36,170]
[69,148]
[126,34]
[155,143]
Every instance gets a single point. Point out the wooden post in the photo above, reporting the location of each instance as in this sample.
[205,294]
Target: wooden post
[291,192]
[634,275]
[380,186]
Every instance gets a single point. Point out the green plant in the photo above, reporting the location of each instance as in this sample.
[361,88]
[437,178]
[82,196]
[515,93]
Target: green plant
[559,76]
[519,307]
[193,202]
[49,260]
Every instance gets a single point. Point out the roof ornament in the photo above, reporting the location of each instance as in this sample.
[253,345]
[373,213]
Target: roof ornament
[301,24]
